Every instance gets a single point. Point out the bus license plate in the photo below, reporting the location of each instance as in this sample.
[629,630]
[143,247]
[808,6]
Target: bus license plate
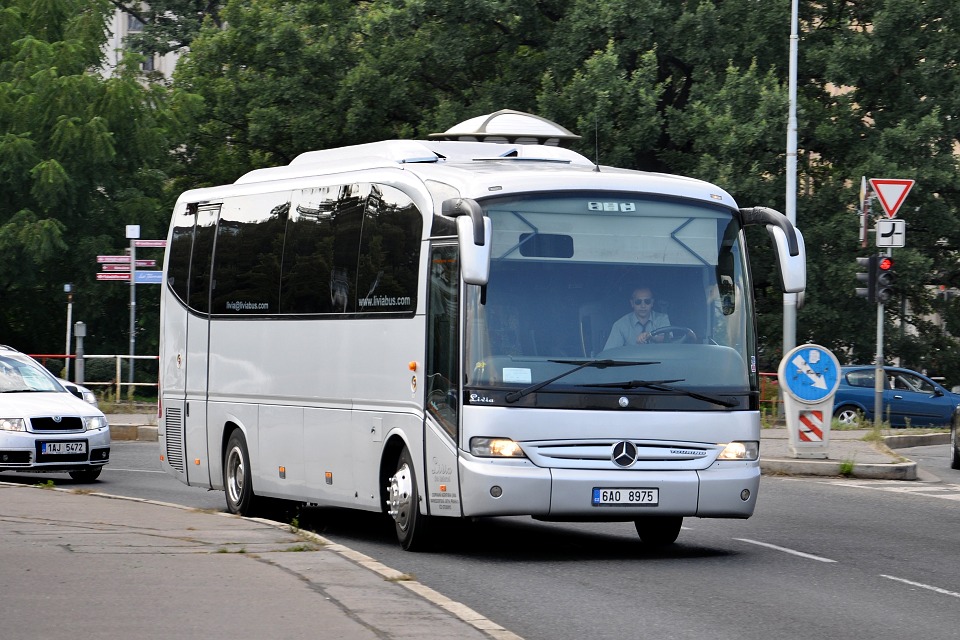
[63,448]
[625,497]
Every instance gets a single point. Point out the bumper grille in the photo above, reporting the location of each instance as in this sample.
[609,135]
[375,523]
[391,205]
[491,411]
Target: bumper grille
[9,458]
[597,454]
[65,423]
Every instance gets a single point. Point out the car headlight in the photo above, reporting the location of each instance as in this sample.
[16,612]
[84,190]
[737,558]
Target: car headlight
[13,424]
[748,450]
[495,448]
[89,396]
[94,422]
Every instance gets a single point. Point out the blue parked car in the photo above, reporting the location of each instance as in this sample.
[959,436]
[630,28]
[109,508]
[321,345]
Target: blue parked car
[909,398]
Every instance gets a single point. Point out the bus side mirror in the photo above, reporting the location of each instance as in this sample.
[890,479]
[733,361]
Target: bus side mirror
[473,236]
[793,268]
[788,241]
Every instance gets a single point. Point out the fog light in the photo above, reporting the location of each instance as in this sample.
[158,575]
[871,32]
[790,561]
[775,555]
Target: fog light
[745,495]
[496,491]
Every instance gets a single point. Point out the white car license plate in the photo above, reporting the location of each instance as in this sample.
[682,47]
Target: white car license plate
[624,497]
[63,448]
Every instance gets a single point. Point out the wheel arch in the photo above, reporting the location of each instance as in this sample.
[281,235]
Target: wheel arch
[228,428]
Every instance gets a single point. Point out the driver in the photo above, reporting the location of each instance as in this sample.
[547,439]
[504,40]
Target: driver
[636,327]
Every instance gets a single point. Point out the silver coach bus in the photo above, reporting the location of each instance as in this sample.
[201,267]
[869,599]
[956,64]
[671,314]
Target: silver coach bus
[443,328]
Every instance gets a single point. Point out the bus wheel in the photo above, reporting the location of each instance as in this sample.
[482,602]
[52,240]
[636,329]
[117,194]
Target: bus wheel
[658,531]
[403,505]
[237,483]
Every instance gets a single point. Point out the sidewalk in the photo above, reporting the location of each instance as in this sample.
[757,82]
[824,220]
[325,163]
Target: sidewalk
[847,454]
[87,565]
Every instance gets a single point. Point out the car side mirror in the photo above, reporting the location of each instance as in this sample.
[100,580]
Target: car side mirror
[72,389]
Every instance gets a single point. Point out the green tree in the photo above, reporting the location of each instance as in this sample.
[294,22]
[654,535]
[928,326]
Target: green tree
[81,156]
[168,25]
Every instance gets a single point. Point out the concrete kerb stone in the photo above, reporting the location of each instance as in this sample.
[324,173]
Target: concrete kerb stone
[867,471]
[134,432]
[908,440]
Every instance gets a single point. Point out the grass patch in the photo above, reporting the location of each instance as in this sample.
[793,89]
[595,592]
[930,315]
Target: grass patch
[49,484]
[846,468]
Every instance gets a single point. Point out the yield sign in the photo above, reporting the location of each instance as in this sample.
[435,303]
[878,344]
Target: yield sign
[891,193]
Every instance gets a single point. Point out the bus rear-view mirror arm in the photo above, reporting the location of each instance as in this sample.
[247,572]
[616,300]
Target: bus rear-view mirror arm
[788,241]
[473,236]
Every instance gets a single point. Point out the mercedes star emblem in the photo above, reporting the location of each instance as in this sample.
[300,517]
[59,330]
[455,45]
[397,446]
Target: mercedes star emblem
[624,453]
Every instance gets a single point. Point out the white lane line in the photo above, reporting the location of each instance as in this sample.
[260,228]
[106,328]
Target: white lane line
[792,552]
[922,586]
[132,470]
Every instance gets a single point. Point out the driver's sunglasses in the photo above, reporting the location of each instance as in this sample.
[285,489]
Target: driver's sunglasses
[638,301]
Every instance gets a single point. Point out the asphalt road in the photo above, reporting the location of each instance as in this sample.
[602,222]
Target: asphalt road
[820,558]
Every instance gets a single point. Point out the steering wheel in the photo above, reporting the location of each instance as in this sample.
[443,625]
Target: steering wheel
[676,333]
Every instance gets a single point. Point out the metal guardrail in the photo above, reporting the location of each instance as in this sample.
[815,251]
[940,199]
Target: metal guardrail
[117,383]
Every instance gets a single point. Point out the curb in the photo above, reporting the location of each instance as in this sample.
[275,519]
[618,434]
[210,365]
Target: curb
[134,432]
[890,471]
[906,441]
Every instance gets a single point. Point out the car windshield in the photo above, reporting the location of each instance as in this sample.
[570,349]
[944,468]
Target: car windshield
[21,376]
[657,285]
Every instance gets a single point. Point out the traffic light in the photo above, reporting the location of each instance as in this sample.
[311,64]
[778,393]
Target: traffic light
[869,277]
[885,279]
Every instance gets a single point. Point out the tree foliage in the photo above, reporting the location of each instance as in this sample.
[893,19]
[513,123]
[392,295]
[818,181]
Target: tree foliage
[697,87]
[81,156]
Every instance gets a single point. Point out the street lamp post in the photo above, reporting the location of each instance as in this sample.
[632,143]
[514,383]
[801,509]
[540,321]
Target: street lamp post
[68,289]
[790,299]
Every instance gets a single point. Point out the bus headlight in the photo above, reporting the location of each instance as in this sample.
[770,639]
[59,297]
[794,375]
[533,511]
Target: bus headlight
[749,450]
[495,448]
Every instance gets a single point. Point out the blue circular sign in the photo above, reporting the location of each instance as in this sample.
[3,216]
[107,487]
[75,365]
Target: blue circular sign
[810,373]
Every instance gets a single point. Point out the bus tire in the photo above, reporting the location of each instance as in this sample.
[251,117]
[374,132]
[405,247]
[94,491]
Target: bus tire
[237,476]
[658,531]
[403,505]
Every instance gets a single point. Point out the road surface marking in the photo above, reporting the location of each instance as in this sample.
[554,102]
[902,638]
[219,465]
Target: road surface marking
[793,552]
[922,586]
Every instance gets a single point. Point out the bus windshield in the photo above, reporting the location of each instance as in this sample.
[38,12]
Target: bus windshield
[612,292]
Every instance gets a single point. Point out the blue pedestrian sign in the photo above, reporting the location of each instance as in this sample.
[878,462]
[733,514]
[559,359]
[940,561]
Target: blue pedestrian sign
[810,373]
[149,277]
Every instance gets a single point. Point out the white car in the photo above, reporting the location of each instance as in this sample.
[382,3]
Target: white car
[80,391]
[44,427]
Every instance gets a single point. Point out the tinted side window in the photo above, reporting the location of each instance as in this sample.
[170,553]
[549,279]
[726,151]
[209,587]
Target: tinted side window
[316,278]
[203,238]
[180,249]
[248,252]
[389,260]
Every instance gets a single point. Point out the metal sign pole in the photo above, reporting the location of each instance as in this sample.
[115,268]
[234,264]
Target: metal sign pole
[133,233]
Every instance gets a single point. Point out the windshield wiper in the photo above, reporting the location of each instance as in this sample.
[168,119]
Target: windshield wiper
[664,385]
[513,396]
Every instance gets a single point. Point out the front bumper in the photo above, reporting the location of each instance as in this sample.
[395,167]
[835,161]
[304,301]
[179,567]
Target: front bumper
[21,451]
[517,487]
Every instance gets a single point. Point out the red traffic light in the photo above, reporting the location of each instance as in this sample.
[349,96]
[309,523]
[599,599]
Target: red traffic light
[885,263]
